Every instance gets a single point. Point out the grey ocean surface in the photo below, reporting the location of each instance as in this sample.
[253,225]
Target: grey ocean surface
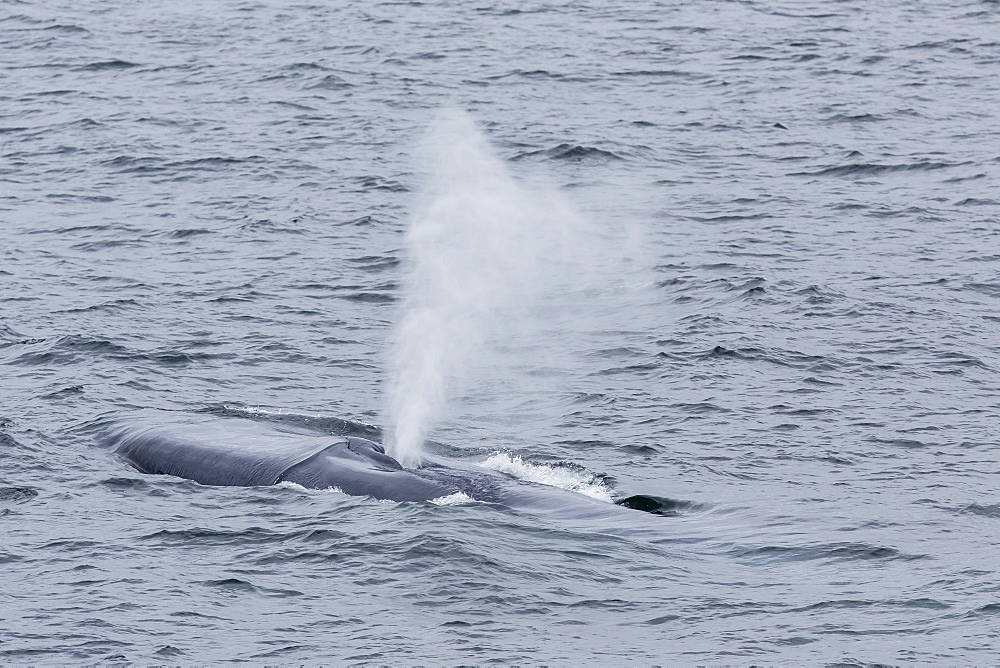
[203,207]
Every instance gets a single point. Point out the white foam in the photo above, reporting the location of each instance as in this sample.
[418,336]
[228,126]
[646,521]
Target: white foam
[299,488]
[573,480]
[455,499]
[257,410]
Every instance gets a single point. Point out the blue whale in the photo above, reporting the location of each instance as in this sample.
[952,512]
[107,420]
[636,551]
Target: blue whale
[228,451]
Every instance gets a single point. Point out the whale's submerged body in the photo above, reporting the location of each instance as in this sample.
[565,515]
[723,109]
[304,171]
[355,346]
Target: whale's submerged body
[229,451]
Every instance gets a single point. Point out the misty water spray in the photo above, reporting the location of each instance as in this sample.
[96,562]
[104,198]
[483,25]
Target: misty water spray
[487,261]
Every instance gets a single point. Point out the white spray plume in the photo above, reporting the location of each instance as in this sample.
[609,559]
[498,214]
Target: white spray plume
[488,262]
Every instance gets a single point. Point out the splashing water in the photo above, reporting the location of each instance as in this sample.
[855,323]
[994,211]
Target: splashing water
[488,260]
[575,480]
[456,499]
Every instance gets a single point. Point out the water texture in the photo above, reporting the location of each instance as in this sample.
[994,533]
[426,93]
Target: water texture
[203,208]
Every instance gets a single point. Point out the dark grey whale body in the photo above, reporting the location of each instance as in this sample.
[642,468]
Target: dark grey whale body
[244,453]
[241,452]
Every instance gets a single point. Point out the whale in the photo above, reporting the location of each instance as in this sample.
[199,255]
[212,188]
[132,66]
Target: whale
[240,452]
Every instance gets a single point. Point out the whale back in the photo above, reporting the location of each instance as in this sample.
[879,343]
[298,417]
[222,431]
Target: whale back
[213,451]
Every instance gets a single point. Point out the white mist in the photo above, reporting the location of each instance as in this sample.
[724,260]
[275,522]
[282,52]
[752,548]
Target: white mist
[490,267]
